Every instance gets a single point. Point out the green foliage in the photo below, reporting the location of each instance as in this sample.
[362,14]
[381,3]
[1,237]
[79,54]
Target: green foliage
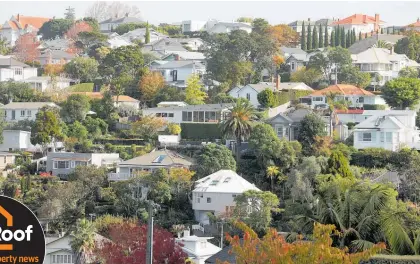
[83,69]
[19,92]
[302,37]
[46,128]
[409,72]
[352,75]
[75,108]
[311,125]
[402,92]
[55,28]
[104,108]
[392,259]
[409,46]
[81,87]
[339,165]
[213,158]
[260,204]
[194,93]
[291,95]
[267,98]
[127,27]
[170,30]
[168,94]
[309,38]
[374,107]
[147,34]
[191,131]
[77,130]
[95,126]
[173,129]
[308,76]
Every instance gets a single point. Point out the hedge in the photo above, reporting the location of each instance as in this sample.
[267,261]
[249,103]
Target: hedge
[291,95]
[373,107]
[392,259]
[200,131]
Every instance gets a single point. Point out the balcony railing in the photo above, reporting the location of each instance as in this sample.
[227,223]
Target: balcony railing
[119,176]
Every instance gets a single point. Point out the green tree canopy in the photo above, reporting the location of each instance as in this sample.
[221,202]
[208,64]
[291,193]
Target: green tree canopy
[46,128]
[213,158]
[77,130]
[194,93]
[311,125]
[352,75]
[75,108]
[409,72]
[267,98]
[83,69]
[402,92]
[55,28]
[339,165]
[409,46]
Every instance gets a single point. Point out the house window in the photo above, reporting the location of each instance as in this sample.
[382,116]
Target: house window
[292,65]
[158,114]
[382,136]
[187,116]
[171,115]
[367,136]
[29,113]
[279,130]
[61,164]
[208,200]
[361,99]
[62,259]
[248,96]
[164,114]
[80,163]
[18,71]
[5,160]
[214,182]
[388,137]
[318,99]
[234,195]
[22,113]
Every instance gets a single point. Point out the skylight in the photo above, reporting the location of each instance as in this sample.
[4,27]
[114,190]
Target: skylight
[159,159]
[227,179]
[214,182]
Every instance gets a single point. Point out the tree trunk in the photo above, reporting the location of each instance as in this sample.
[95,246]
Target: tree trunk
[272,187]
[238,150]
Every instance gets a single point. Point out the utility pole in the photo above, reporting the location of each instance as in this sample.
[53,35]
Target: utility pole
[221,236]
[336,74]
[149,252]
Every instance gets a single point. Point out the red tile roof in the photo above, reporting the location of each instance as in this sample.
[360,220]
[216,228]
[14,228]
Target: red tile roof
[357,19]
[36,22]
[345,89]
[349,111]
[415,24]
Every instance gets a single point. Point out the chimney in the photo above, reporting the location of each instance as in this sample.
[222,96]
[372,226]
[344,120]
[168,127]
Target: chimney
[377,22]
[18,17]
[187,232]
[392,49]
[278,80]
[364,18]
[176,57]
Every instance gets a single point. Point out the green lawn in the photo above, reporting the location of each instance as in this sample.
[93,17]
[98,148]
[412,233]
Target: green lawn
[81,87]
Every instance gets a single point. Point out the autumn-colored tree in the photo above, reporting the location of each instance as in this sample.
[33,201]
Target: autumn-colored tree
[283,35]
[173,129]
[278,60]
[128,245]
[322,145]
[26,47]
[273,248]
[148,127]
[53,69]
[76,28]
[150,84]
[194,93]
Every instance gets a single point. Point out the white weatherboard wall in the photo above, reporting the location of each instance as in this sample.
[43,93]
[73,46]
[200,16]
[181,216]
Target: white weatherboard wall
[249,93]
[171,116]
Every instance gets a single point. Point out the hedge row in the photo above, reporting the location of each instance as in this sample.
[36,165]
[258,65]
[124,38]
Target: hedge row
[201,131]
[291,95]
[373,107]
[379,158]
[392,259]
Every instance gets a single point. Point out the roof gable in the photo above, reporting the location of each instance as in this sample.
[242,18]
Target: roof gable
[280,118]
[357,19]
[223,181]
[343,89]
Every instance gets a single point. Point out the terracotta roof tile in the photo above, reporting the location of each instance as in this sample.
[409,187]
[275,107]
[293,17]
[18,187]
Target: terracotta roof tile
[415,24]
[357,19]
[13,25]
[349,111]
[345,89]
[36,22]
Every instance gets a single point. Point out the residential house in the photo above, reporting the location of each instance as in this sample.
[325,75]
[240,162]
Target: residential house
[286,51]
[193,26]
[55,44]
[178,72]
[111,24]
[227,27]
[360,23]
[17,111]
[158,159]
[413,26]
[164,46]
[390,130]
[251,91]
[12,69]
[216,194]
[298,60]
[122,100]
[357,115]
[45,83]
[63,163]
[7,158]
[226,255]
[386,63]
[372,42]
[184,56]
[286,125]
[140,34]
[192,44]
[59,57]
[19,140]
[197,248]
[207,113]
[19,25]
[115,41]
[356,97]
[169,104]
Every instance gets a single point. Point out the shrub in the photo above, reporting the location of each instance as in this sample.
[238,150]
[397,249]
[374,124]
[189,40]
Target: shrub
[371,158]
[284,97]
[200,131]
[373,107]
[392,259]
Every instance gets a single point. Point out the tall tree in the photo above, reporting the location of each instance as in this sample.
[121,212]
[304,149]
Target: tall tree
[75,108]
[194,93]
[343,37]
[47,127]
[320,37]
[409,46]
[339,165]
[150,84]
[311,125]
[83,239]
[402,92]
[213,158]
[360,35]
[26,47]
[337,36]
[348,39]
[76,28]
[333,38]
[315,38]
[309,38]
[239,123]
[326,37]
[303,37]
[5,48]
[55,28]
[147,34]
[283,35]
[84,69]
[70,14]
[353,36]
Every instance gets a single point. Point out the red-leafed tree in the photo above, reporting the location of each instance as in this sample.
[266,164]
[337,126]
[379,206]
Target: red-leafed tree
[78,27]
[26,47]
[128,245]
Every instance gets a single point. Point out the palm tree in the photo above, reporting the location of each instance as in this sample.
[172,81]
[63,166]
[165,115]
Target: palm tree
[271,172]
[239,123]
[383,44]
[83,239]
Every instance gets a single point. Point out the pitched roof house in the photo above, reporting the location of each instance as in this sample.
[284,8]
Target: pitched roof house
[18,111]
[372,41]
[112,23]
[12,69]
[19,25]
[360,23]
[123,100]
[197,248]
[413,26]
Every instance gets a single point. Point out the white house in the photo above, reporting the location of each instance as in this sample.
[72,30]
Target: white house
[194,44]
[45,83]
[158,159]
[19,140]
[216,193]
[227,27]
[390,130]
[112,23]
[169,104]
[115,41]
[208,113]
[355,96]
[179,71]
[14,112]
[140,34]
[63,163]
[198,248]
[384,62]
[125,100]
[12,69]
[192,25]
[360,23]
[19,25]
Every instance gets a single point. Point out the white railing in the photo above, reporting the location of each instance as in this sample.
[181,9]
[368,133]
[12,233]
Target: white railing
[118,176]
[198,227]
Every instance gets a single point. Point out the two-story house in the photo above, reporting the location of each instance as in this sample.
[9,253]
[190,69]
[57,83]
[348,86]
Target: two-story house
[355,97]
[157,159]
[216,194]
[386,63]
[12,69]
[112,23]
[63,163]
[208,113]
[19,25]
[360,23]
[197,248]
[390,130]
[177,72]
[18,111]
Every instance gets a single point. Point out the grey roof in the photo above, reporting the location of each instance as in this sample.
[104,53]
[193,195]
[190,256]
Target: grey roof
[9,61]
[169,158]
[27,105]
[187,55]
[122,20]
[140,33]
[369,42]
[175,64]
[165,44]
[223,256]
[259,87]
[205,107]
[380,55]
[56,44]
[57,54]
[293,115]
[322,21]
[47,78]
[292,50]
